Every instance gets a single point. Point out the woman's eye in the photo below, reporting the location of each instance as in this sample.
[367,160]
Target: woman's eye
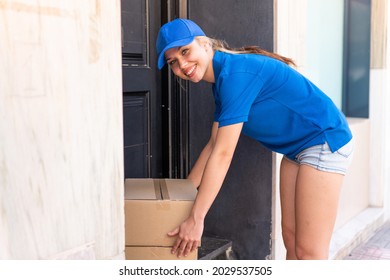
[171,62]
[184,51]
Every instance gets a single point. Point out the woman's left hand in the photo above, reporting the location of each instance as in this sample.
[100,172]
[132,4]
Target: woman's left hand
[188,235]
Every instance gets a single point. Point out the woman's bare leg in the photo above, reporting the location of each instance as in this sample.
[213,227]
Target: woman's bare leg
[316,202]
[288,177]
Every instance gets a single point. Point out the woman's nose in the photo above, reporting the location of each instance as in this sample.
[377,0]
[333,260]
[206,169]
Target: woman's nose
[182,63]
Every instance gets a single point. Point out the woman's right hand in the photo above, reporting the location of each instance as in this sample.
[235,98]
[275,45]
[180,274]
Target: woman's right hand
[212,172]
[189,234]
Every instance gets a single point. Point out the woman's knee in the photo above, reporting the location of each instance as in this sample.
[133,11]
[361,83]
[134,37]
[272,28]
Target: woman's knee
[288,238]
[311,252]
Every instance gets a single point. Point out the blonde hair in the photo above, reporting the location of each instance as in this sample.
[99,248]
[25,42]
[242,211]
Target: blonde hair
[222,46]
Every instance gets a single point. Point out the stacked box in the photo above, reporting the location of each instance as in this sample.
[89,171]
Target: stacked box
[153,207]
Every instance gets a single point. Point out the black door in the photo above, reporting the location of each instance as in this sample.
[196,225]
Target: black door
[141,89]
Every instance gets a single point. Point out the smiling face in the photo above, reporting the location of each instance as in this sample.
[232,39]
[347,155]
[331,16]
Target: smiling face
[192,62]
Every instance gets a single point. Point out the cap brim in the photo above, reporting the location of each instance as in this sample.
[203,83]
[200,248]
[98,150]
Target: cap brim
[179,43]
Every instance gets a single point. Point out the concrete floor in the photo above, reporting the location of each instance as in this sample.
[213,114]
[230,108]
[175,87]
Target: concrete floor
[376,247]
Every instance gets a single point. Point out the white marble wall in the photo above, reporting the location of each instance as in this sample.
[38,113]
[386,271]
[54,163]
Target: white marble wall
[61,134]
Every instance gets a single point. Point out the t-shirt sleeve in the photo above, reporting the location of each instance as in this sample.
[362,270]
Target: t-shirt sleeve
[235,94]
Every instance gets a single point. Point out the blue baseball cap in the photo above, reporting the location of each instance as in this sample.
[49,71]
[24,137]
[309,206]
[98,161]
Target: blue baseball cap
[176,33]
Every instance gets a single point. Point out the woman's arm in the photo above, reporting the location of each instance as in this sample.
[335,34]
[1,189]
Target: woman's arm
[190,231]
[197,170]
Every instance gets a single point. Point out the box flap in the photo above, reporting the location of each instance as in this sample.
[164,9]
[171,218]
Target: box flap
[178,189]
[145,189]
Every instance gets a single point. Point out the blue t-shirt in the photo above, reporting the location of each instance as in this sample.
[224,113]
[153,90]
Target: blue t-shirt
[279,107]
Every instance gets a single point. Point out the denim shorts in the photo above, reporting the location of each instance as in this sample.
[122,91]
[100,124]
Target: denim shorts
[322,158]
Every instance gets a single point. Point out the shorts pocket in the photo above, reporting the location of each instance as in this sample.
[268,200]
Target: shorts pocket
[346,150]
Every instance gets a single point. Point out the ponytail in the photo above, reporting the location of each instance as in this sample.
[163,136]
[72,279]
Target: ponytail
[220,45]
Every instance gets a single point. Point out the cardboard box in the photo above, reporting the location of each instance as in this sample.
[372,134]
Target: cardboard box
[155,253]
[153,207]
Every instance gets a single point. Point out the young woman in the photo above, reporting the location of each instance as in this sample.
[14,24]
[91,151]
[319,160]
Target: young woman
[259,94]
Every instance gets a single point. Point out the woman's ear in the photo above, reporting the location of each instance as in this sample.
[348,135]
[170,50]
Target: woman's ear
[207,45]
[204,43]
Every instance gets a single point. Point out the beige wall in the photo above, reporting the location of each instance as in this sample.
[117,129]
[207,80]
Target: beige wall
[354,196]
[380,106]
[386,118]
[61,150]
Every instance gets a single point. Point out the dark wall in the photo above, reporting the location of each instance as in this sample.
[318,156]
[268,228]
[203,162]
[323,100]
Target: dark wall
[242,211]
[357,39]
